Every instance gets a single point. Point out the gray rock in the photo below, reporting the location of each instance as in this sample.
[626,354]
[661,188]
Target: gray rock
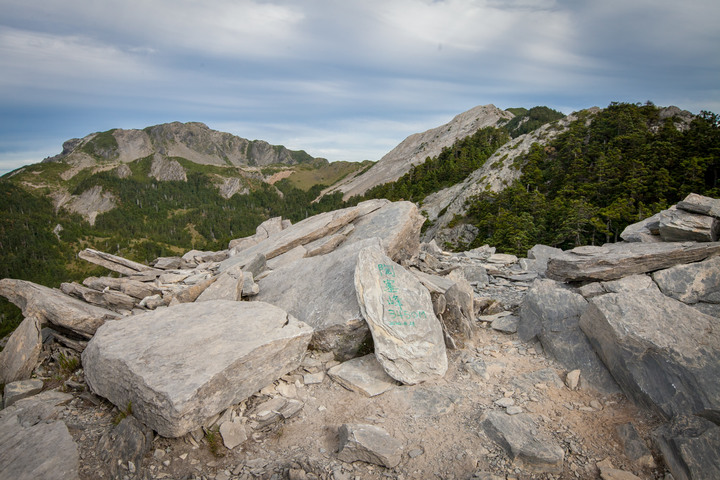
[551,312]
[617,260]
[32,444]
[227,286]
[133,288]
[362,374]
[699,204]
[249,287]
[475,274]
[325,245]
[287,258]
[647,230]
[179,366]
[370,444]
[541,254]
[168,263]
[116,301]
[661,352]
[334,312]
[527,381]
[681,226]
[233,433]
[506,324]
[126,442]
[520,437]
[164,169]
[458,317]
[609,472]
[50,305]
[459,236]
[634,447]
[20,389]
[692,283]
[115,263]
[690,447]
[407,335]
[20,356]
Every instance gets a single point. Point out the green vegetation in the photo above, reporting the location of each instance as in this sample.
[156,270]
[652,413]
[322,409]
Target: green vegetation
[592,181]
[122,414]
[103,146]
[306,176]
[525,121]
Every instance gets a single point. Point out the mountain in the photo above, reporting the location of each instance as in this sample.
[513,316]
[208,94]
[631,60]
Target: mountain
[418,147]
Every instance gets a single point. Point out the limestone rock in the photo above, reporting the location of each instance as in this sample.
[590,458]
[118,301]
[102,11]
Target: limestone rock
[362,374]
[551,312]
[50,305]
[233,433]
[227,286]
[370,444]
[647,230]
[699,204]
[20,356]
[661,352]
[691,283]
[458,318]
[115,263]
[518,435]
[20,389]
[407,335]
[681,226]
[179,366]
[128,441]
[617,260]
[116,301]
[690,447]
[334,312]
[32,444]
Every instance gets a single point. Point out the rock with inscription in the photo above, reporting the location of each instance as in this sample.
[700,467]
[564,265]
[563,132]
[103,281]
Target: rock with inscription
[333,312]
[663,353]
[518,435]
[681,226]
[50,305]
[179,366]
[408,337]
[368,443]
[362,374]
[20,356]
[699,204]
[617,260]
[690,446]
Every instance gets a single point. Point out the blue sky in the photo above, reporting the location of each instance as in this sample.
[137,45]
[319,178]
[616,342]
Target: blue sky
[345,80]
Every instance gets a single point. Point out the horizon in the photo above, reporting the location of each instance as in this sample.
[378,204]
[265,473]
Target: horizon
[343,81]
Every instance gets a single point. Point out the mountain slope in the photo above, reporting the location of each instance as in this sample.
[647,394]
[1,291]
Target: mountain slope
[416,148]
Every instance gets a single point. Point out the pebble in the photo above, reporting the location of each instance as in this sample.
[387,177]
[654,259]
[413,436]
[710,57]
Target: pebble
[505,402]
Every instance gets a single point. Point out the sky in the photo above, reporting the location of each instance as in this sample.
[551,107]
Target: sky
[340,79]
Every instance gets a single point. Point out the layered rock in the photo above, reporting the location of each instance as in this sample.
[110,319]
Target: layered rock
[20,355]
[179,366]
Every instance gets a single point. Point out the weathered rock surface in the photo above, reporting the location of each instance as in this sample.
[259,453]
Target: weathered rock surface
[328,280]
[227,286]
[20,389]
[115,263]
[647,230]
[368,443]
[127,442]
[50,305]
[165,169]
[362,374]
[407,335]
[691,283]
[33,444]
[20,355]
[662,352]
[690,447]
[116,301]
[133,288]
[181,365]
[522,441]
[91,203]
[551,312]
[613,261]
[681,226]
[700,204]
[458,317]
[634,447]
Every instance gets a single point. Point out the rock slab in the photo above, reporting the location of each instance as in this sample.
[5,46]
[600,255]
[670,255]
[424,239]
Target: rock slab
[20,355]
[370,444]
[179,366]
[362,374]
[408,337]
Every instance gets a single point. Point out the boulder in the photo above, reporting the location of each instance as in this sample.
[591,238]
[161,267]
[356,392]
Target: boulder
[551,312]
[115,263]
[692,283]
[20,356]
[617,260]
[370,444]
[362,374]
[334,312]
[33,444]
[690,447]
[539,255]
[458,317]
[227,286]
[126,442]
[133,288]
[407,335]
[179,366]
[518,435]
[681,226]
[663,353]
[647,230]
[50,305]
[116,301]
[699,204]
[20,389]
[634,446]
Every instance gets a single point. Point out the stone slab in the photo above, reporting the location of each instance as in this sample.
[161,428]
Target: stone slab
[368,443]
[21,353]
[364,375]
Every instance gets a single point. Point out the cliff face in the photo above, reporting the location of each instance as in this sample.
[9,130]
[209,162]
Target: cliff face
[416,148]
[193,141]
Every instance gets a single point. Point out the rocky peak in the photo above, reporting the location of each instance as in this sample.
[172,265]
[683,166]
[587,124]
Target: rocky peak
[416,148]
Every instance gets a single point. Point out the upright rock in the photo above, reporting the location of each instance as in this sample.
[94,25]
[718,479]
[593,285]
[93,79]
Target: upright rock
[20,355]
[407,335]
[179,366]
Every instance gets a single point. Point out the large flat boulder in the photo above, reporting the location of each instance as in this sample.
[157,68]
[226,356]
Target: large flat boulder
[664,354]
[692,283]
[320,291]
[681,226]
[700,204]
[20,355]
[181,365]
[551,312]
[408,337]
[50,305]
[617,260]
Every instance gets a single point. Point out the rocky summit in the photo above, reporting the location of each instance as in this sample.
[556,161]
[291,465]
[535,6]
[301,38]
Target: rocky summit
[342,347]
